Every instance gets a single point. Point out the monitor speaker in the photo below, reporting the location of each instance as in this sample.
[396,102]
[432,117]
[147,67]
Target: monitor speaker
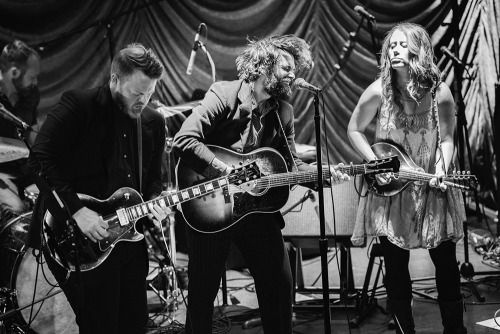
[301,212]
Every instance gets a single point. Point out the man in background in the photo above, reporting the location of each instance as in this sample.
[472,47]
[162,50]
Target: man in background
[19,95]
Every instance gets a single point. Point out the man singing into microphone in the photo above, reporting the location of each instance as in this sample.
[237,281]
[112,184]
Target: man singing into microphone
[244,115]
[19,95]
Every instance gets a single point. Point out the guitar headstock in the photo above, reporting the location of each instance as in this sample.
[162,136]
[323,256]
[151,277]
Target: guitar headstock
[386,165]
[244,173]
[463,180]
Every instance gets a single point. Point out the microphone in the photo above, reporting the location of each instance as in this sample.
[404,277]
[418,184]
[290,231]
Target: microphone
[193,51]
[450,55]
[13,118]
[363,13]
[300,84]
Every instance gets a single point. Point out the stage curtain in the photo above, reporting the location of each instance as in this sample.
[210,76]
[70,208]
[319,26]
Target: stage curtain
[78,38]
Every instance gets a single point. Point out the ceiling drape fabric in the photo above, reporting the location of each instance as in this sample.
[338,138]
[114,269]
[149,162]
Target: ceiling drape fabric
[77,40]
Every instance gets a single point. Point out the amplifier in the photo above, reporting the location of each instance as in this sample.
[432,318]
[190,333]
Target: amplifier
[301,212]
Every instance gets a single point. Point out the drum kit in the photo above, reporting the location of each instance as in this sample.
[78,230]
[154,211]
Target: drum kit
[30,299]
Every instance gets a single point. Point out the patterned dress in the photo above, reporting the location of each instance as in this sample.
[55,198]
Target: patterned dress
[420,216]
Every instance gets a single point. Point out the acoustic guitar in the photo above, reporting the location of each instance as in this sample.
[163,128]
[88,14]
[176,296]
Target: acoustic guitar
[267,193]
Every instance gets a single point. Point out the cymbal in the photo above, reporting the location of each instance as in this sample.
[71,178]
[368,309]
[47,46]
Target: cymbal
[12,149]
[179,109]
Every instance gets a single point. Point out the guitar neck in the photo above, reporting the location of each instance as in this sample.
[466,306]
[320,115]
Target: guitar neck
[143,209]
[452,181]
[282,179]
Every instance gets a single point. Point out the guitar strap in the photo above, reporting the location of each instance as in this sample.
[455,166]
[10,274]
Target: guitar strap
[436,117]
[289,156]
[139,151]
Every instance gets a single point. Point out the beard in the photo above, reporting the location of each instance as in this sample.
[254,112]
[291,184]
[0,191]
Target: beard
[277,88]
[20,89]
[120,102]
[125,106]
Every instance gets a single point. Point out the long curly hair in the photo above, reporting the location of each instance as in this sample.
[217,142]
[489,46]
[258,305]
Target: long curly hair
[423,72]
[262,55]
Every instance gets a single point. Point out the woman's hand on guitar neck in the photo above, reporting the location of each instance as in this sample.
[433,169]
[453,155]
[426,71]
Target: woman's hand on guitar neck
[91,224]
[437,182]
[337,176]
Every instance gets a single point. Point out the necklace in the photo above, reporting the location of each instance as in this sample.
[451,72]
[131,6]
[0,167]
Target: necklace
[405,96]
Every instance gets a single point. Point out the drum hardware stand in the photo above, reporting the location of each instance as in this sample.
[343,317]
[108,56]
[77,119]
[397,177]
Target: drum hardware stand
[167,275]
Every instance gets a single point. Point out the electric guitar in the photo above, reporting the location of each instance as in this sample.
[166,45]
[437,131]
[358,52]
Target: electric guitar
[410,172]
[67,244]
[267,193]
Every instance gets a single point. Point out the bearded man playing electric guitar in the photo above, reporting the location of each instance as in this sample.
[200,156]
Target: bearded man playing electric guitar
[244,116]
[99,149]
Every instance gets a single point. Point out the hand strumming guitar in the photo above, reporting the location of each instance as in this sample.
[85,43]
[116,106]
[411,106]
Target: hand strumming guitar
[91,224]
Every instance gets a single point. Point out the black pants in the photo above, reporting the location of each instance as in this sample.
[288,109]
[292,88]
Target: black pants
[398,280]
[259,239]
[114,293]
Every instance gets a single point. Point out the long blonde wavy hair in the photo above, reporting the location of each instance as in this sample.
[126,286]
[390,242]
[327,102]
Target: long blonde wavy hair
[423,72]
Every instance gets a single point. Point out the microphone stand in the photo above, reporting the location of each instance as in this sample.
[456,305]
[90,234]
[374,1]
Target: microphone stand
[346,53]
[466,269]
[344,56]
[323,240]
[210,60]
[44,184]
[496,133]
[308,194]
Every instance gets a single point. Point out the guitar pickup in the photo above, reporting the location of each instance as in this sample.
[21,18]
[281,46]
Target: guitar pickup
[122,217]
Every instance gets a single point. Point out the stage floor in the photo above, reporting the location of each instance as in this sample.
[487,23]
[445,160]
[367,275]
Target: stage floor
[243,302]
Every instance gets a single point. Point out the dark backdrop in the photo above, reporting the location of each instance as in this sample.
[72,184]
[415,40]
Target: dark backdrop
[78,38]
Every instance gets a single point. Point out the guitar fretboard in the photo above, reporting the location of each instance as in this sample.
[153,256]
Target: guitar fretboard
[462,181]
[135,212]
[283,179]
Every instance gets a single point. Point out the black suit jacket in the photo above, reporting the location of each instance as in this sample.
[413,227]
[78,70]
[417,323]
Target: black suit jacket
[74,147]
